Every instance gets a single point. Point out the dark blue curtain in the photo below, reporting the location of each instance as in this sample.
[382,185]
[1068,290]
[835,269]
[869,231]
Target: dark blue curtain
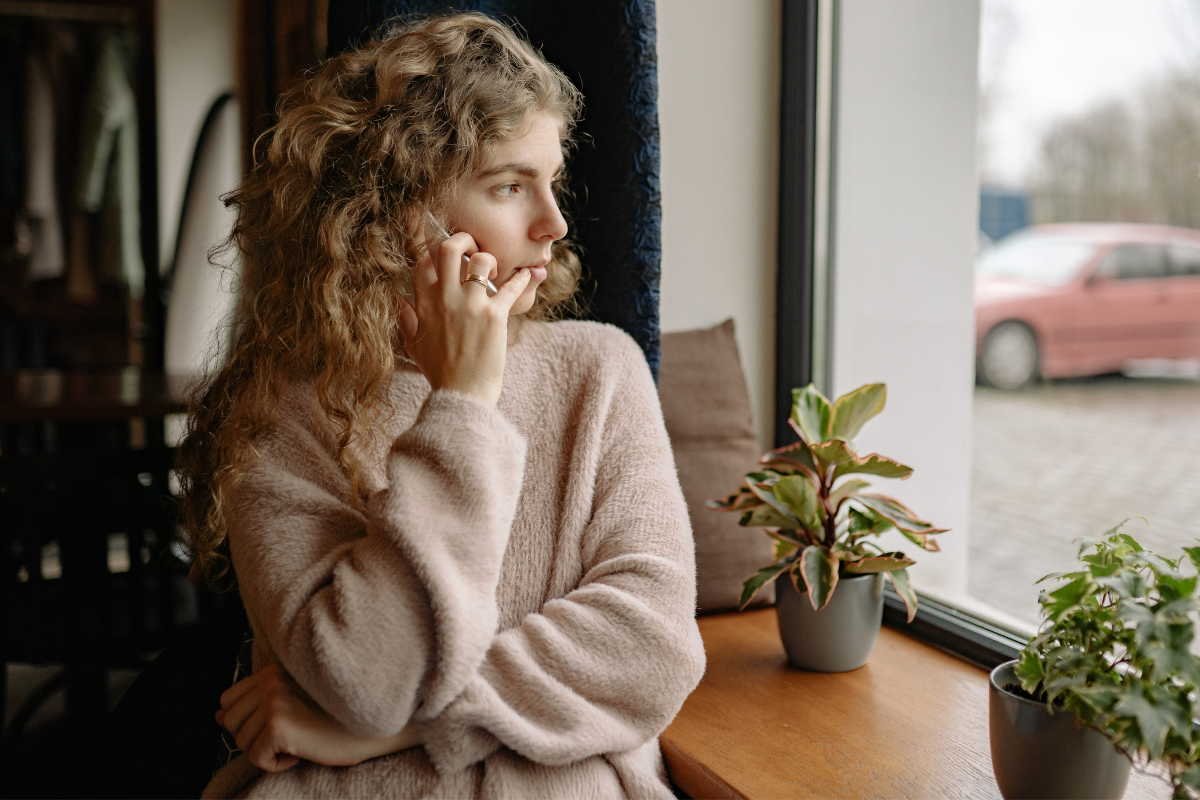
[607,47]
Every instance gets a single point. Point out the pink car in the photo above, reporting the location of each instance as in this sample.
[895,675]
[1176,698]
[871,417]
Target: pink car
[1085,299]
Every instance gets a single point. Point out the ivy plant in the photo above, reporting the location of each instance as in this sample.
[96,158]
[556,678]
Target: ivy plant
[820,518]
[1114,649]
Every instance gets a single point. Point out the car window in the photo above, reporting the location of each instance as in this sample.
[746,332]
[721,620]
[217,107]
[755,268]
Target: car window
[1134,262]
[1185,260]
[1051,260]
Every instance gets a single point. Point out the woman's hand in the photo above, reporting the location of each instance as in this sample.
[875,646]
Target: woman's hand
[455,333]
[276,724]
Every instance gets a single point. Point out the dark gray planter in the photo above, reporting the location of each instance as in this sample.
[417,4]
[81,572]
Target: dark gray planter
[839,637]
[1036,754]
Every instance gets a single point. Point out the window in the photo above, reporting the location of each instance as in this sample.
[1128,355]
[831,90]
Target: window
[1134,262]
[1084,109]
[1185,260]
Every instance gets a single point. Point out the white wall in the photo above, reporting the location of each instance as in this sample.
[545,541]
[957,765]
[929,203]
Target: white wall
[194,49]
[904,241]
[718,105]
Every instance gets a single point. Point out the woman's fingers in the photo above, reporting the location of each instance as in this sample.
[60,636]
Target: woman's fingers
[480,264]
[449,260]
[512,289]
[236,715]
[246,685]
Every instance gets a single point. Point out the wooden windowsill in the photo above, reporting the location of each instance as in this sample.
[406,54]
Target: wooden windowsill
[912,723]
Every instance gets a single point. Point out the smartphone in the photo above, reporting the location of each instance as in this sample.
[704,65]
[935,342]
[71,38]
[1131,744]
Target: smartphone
[445,234]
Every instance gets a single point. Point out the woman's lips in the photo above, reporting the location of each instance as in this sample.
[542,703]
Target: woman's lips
[536,273]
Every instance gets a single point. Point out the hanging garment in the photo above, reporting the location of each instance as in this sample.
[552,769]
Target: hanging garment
[201,301]
[11,156]
[43,239]
[108,165]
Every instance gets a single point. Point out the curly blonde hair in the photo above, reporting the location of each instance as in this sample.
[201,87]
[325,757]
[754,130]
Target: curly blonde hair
[327,236]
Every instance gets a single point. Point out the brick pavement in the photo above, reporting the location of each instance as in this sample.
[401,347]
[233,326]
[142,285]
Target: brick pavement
[1067,459]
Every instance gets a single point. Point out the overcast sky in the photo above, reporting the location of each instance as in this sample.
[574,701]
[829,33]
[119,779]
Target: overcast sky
[1052,58]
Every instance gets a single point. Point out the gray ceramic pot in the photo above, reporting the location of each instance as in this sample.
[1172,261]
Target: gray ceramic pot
[840,636]
[1036,754]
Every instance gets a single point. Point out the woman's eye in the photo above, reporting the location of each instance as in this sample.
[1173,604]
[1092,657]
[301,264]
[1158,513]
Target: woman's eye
[506,190]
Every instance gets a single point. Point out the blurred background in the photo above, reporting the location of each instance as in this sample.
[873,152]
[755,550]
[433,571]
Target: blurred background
[1087,293]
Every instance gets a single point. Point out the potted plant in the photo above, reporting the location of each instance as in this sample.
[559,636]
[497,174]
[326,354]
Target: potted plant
[1109,678]
[822,522]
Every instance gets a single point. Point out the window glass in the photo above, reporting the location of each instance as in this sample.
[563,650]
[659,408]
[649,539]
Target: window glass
[1051,260]
[1185,260]
[1134,262]
[1087,407]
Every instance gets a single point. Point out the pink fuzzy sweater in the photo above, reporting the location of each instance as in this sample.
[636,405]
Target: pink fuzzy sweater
[521,584]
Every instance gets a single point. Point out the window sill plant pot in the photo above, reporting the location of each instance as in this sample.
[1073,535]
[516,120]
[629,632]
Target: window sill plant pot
[821,521]
[1109,678]
[1036,754]
[839,637]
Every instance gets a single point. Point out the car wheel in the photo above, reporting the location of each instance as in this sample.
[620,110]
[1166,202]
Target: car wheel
[1010,356]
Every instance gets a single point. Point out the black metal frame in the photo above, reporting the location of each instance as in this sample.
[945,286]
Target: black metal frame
[797,160]
[948,628]
[953,630]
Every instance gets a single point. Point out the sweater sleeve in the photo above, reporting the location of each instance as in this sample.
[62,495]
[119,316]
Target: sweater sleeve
[382,612]
[605,668]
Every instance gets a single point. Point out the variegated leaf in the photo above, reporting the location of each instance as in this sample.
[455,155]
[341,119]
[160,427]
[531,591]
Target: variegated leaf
[873,464]
[903,587]
[811,412]
[819,568]
[853,409]
[898,514]
[798,494]
[884,563]
[846,490]
[790,457]
[759,580]
[831,453]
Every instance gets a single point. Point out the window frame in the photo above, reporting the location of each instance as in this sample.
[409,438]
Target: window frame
[800,306]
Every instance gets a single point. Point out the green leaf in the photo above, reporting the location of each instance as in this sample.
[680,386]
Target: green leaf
[873,464]
[1029,671]
[797,495]
[790,457]
[831,453]
[845,491]
[1154,721]
[1170,660]
[852,410]
[1128,540]
[860,523]
[1193,553]
[742,499]
[767,495]
[898,514]
[1066,598]
[1126,584]
[810,414]
[764,516]
[819,568]
[903,587]
[1174,588]
[759,580]
[781,548]
[1100,698]
[884,563]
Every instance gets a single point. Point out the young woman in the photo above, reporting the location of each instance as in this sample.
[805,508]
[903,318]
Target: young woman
[456,529]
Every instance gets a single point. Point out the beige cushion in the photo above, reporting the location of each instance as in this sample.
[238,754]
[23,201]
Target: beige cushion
[707,411]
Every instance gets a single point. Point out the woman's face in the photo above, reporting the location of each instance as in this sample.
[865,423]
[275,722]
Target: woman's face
[509,207]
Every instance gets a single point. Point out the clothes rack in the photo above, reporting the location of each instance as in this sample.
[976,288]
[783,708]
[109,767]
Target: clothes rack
[78,12]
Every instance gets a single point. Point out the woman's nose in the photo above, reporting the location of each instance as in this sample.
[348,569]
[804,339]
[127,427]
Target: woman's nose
[549,223]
